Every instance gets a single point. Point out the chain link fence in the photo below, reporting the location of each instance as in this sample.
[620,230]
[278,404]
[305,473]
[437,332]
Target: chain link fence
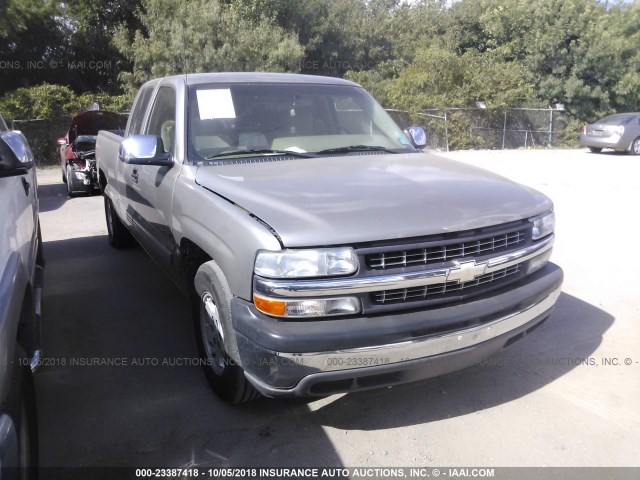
[486,128]
[42,135]
[447,129]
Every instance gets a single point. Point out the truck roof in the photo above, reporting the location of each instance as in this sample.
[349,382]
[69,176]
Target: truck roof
[253,77]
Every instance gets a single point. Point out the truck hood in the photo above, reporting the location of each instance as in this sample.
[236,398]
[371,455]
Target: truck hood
[361,198]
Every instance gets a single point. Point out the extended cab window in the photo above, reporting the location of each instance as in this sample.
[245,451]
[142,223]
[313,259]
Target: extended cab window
[139,109]
[162,121]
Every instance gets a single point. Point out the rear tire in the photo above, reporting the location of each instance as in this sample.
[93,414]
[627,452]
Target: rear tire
[635,147]
[119,235]
[595,149]
[225,377]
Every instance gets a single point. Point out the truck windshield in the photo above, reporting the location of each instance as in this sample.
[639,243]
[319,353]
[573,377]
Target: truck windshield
[268,119]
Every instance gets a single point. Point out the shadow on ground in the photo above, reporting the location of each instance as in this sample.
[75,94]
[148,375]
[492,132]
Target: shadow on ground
[52,196]
[570,335]
[106,305]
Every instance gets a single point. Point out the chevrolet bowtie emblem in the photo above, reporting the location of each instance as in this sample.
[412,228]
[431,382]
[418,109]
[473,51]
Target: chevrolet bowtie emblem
[465,271]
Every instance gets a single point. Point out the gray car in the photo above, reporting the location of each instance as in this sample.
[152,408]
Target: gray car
[620,132]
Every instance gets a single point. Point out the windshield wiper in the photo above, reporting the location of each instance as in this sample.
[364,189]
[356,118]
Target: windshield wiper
[259,151]
[357,148]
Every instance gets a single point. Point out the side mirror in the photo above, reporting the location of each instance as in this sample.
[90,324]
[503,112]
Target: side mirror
[62,141]
[417,135]
[144,150]
[16,157]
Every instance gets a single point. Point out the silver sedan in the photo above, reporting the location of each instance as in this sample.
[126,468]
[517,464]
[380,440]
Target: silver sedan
[620,132]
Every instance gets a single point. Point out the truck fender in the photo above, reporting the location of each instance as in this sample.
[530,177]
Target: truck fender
[211,279]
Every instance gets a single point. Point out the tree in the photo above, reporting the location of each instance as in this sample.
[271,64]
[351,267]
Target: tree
[439,77]
[52,101]
[94,61]
[204,36]
[32,41]
[576,52]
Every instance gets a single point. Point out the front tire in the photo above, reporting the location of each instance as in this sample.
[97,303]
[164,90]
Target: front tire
[595,149]
[119,235]
[635,147]
[225,377]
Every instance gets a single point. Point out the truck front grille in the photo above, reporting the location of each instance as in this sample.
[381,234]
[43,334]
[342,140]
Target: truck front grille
[443,290]
[444,252]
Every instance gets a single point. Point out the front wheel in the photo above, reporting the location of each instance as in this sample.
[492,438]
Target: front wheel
[595,149]
[119,235]
[225,377]
[635,147]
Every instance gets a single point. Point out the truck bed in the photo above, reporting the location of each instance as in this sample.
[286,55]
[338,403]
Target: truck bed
[107,148]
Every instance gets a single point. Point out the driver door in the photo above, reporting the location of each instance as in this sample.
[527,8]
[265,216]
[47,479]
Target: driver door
[149,188]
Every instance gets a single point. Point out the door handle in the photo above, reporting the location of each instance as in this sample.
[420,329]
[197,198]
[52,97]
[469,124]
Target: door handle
[134,175]
[26,185]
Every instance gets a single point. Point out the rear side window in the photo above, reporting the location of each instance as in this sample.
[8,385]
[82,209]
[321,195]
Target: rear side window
[139,109]
[163,117]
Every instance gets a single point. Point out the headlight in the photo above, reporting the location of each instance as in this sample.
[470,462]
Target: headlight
[543,225]
[310,307]
[325,262]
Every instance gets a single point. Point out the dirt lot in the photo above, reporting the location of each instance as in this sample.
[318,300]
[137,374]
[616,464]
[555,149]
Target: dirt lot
[556,398]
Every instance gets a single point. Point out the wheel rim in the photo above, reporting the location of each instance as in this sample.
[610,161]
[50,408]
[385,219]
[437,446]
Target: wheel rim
[636,146]
[212,335]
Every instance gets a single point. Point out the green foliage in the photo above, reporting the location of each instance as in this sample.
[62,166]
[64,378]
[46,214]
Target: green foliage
[575,52]
[62,42]
[417,55]
[29,34]
[439,77]
[44,101]
[204,36]
[94,24]
[52,101]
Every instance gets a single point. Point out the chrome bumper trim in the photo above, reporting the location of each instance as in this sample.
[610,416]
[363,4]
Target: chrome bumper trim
[422,347]
[353,285]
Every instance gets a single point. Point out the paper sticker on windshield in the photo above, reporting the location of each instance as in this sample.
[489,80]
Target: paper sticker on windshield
[216,103]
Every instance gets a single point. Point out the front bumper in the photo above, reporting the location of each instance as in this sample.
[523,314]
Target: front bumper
[307,358]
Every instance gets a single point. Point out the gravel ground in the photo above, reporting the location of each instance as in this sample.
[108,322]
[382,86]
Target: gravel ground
[556,398]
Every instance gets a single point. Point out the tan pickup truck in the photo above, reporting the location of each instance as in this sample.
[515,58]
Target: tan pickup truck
[323,250]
